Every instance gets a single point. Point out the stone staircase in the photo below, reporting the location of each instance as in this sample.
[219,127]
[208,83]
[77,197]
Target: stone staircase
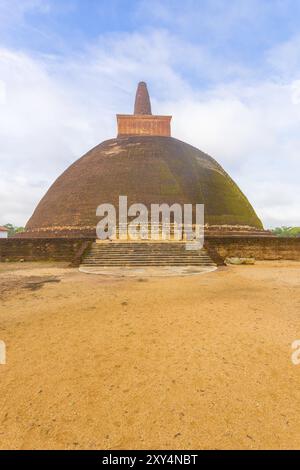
[142,254]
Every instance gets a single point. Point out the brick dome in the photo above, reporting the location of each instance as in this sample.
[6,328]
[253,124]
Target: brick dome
[148,169]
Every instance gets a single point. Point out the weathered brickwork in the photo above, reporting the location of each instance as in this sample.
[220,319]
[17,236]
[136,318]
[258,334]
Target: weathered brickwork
[70,249]
[149,170]
[148,166]
[143,125]
[41,249]
[260,248]
[142,104]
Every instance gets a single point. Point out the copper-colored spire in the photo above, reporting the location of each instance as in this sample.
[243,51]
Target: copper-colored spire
[142,103]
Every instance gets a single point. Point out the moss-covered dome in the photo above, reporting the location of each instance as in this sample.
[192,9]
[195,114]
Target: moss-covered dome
[148,169]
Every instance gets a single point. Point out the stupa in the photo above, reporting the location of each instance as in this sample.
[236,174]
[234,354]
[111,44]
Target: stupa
[149,166]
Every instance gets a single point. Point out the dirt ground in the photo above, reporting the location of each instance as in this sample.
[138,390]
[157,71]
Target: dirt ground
[195,362]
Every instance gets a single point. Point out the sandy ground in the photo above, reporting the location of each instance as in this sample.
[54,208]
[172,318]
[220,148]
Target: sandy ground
[199,362]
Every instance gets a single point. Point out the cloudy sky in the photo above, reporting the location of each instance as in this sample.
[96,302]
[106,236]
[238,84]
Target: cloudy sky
[228,72]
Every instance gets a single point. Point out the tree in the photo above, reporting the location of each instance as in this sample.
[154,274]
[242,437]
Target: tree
[12,229]
[286,231]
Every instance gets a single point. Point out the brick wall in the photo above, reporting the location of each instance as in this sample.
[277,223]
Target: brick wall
[71,249]
[260,248]
[41,249]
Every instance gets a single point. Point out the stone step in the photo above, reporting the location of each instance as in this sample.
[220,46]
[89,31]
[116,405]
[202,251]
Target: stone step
[149,262]
[141,250]
[125,250]
[139,255]
[143,246]
[132,254]
[141,265]
[123,260]
[147,251]
[178,258]
[148,259]
[145,255]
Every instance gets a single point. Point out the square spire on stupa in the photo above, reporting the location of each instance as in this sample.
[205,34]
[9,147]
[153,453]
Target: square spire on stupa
[143,122]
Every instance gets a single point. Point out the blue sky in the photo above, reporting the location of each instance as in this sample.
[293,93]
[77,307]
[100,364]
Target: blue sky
[240,30]
[228,72]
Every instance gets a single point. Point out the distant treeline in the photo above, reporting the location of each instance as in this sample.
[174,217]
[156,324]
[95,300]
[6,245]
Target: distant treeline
[286,231]
[12,229]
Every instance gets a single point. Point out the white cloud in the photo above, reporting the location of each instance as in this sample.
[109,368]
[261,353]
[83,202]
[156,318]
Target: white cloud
[285,57]
[2,93]
[53,110]
[253,131]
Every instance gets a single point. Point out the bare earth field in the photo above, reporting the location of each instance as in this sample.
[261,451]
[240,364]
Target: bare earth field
[195,362]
